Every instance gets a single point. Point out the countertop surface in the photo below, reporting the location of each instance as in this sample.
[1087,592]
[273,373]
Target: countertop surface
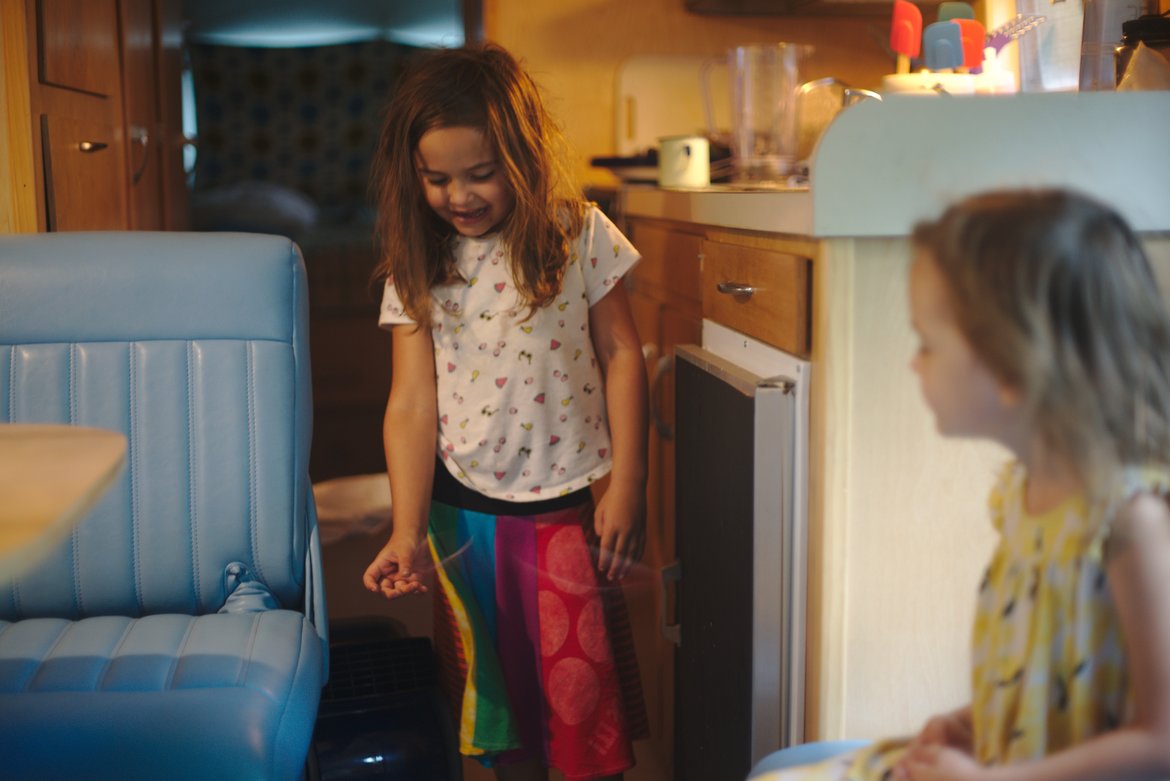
[882,166]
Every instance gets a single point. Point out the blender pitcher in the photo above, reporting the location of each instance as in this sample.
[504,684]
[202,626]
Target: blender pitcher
[765,79]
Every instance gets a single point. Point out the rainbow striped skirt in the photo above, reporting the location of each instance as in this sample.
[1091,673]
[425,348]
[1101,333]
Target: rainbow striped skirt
[534,646]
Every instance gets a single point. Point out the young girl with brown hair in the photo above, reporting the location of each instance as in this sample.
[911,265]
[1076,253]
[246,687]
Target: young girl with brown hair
[518,382]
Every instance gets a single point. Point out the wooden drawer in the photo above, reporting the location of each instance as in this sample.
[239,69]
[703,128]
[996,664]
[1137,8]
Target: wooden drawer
[670,260]
[776,310]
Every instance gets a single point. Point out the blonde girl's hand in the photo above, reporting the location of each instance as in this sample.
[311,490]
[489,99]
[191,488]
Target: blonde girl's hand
[620,523]
[951,729]
[935,762]
[397,569]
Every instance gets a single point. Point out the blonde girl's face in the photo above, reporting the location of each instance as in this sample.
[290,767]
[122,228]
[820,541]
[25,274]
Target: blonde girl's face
[462,179]
[964,395]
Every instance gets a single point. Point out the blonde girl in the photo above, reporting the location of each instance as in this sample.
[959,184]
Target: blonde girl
[1041,327]
[518,384]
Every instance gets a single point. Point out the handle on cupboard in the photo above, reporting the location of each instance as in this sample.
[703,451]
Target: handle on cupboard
[92,146]
[735,289]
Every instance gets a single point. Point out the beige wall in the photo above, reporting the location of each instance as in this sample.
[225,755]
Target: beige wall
[574,48]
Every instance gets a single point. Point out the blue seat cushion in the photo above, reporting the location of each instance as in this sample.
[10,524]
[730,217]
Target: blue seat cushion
[804,754]
[163,696]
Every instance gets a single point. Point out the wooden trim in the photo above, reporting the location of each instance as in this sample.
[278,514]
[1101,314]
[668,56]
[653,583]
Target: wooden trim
[18,190]
[829,457]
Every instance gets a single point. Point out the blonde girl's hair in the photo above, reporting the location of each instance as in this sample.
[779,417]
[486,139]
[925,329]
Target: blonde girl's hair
[483,87]
[1057,298]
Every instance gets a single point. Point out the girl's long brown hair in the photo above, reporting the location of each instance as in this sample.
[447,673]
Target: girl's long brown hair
[483,87]
[1056,296]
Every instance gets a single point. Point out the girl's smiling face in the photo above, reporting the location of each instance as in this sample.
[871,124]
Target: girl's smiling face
[462,179]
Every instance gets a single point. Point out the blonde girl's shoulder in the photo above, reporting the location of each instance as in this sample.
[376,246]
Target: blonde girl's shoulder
[1143,512]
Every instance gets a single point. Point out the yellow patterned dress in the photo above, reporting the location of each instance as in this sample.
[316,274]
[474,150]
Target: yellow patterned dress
[1049,668]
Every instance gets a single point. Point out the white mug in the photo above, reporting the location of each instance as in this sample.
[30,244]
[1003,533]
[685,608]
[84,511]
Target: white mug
[684,161]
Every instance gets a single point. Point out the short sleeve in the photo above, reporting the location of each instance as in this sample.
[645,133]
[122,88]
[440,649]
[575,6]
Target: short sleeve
[606,255]
[392,312]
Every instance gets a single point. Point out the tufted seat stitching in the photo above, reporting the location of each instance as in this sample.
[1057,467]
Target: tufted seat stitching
[100,685]
[48,654]
[253,478]
[177,656]
[132,463]
[193,471]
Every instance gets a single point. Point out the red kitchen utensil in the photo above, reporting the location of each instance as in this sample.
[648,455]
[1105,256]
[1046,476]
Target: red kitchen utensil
[974,37]
[905,34]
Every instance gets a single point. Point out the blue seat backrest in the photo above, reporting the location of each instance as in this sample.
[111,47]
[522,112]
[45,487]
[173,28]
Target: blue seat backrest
[196,347]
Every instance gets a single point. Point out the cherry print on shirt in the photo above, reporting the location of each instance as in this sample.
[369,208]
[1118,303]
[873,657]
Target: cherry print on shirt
[601,453]
[588,389]
[499,286]
[499,475]
[554,439]
[573,690]
[443,420]
[512,410]
[501,381]
[563,418]
[554,344]
[450,367]
[593,262]
[529,380]
[526,356]
[539,398]
[527,453]
[536,489]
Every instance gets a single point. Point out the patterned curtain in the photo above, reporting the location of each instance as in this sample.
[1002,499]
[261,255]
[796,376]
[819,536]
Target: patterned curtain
[303,118]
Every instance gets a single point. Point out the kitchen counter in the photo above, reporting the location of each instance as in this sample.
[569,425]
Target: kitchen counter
[884,165]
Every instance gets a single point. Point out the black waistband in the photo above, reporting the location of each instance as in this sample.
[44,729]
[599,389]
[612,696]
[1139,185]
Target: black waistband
[449,491]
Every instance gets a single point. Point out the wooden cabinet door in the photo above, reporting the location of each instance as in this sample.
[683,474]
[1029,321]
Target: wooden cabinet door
[83,175]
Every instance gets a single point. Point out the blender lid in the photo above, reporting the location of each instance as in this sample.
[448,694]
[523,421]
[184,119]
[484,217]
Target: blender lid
[1148,29]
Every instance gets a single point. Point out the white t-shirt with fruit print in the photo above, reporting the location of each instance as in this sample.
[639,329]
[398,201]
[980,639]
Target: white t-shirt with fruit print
[521,401]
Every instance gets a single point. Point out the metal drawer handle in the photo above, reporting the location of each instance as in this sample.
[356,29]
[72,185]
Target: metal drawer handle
[92,146]
[735,289]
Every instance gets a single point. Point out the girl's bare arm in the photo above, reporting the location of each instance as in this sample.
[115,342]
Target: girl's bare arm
[408,434]
[620,518]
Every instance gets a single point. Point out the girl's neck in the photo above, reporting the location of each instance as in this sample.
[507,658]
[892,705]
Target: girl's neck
[1050,482]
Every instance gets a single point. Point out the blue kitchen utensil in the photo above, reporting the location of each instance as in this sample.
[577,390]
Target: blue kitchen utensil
[942,46]
[954,9]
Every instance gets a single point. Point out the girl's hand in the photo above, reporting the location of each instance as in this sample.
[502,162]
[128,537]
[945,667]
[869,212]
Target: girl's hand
[935,762]
[948,729]
[395,570]
[620,523]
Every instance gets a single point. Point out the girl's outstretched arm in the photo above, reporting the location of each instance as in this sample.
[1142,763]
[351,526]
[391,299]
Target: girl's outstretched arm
[1139,579]
[408,434]
[620,517]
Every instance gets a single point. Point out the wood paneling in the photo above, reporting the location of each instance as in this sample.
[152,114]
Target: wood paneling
[18,213]
[79,44]
[83,175]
